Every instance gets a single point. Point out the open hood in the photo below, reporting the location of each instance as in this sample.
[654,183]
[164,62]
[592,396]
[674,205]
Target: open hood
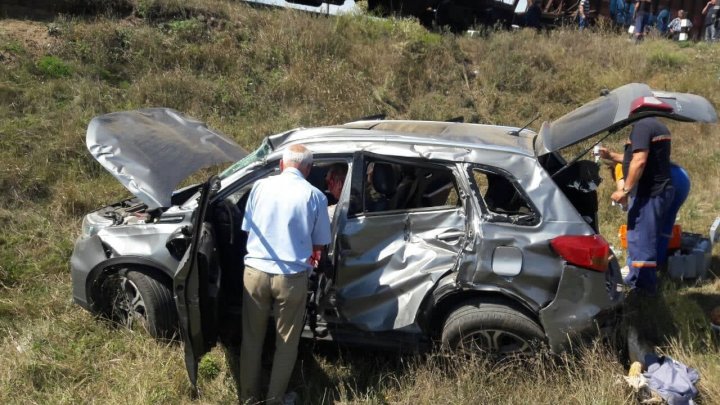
[617,109]
[152,150]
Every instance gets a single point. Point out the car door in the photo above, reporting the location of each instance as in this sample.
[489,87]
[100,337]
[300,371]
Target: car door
[197,285]
[386,261]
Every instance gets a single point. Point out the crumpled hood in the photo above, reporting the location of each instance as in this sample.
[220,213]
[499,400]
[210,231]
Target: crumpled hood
[151,151]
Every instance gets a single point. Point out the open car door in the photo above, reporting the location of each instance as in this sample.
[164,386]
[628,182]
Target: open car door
[617,109]
[197,286]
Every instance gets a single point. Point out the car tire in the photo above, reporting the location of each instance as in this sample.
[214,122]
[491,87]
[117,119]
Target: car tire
[493,328]
[139,298]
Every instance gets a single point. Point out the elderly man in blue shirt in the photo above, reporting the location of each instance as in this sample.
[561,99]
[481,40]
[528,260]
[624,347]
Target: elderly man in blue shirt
[287,223]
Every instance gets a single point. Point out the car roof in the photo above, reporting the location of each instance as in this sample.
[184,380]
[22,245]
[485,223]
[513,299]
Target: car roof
[437,133]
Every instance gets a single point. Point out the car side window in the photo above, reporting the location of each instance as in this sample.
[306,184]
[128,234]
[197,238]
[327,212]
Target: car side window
[395,186]
[502,198]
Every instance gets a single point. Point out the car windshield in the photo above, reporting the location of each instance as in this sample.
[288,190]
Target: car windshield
[258,155]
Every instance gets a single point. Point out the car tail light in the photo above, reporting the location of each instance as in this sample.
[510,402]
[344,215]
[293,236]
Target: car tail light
[589,251]
[642,104]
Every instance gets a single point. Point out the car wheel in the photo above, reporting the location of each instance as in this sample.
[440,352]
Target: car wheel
[491,328]
[139,299]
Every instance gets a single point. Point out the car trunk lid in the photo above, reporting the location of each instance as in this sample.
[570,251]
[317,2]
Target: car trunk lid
[617,109]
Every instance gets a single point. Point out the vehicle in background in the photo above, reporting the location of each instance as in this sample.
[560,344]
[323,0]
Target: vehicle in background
[331,7]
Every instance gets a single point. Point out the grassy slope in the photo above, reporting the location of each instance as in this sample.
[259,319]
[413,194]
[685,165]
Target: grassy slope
[249,73]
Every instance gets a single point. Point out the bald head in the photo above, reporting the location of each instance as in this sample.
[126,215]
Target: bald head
[299,157]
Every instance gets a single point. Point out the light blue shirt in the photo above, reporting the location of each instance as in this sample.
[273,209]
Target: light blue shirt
[284,217]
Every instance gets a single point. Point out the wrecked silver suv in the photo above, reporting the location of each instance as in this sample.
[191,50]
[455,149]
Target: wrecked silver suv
[461,233]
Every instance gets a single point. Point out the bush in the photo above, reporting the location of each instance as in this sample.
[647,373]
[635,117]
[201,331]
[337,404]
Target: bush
[209,367]
[54,67]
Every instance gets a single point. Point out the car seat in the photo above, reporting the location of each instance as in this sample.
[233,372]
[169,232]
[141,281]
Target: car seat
[384,181]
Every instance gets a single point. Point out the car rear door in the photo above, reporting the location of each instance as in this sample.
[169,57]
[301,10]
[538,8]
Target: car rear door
[197,286]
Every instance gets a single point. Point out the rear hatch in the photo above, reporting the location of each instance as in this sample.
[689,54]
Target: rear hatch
[617,109]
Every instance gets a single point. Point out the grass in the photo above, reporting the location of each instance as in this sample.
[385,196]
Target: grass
[251,72]
[53,67]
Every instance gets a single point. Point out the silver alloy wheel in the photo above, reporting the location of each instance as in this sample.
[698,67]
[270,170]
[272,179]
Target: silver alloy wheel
[129,306]
[496,341]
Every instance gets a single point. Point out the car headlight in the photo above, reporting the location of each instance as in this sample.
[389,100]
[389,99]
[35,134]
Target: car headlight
[92,223]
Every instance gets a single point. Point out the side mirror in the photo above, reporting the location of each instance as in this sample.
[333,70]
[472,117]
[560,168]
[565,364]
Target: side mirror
[179,241]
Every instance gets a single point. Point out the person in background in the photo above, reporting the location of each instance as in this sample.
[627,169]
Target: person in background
[710,11]
[675,27]
[646,161]
[533,14]
[642,18]
[287,224]
[335,179]
[619,12]
[584,14]
[681,184]
[662,20]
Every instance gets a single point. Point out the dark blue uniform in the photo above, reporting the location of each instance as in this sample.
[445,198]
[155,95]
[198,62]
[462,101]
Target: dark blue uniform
[650,203]
[681,184]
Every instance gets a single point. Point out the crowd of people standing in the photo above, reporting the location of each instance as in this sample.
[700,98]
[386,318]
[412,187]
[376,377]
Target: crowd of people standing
[640,17]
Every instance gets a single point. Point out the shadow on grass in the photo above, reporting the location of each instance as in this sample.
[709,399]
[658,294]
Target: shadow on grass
[694,291]
[678,313]
[326,373]
[652,318]
[706,301]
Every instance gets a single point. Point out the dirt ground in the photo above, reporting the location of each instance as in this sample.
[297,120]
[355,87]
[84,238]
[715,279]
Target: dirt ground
[33,36]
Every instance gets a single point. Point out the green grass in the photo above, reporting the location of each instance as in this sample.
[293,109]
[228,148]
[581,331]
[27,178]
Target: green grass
[251,72]
[53,67]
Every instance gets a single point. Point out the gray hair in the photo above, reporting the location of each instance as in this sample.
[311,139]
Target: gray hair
[297,156]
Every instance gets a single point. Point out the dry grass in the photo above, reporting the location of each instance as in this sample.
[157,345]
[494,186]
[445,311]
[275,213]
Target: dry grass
[250,72]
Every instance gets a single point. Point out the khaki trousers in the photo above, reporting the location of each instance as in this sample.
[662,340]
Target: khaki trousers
[286,295]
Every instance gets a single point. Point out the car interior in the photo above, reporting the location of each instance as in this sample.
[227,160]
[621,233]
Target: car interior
[502,198]
[578,181]
[393,186]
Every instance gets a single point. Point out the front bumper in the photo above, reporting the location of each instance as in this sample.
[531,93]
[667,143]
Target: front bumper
[587,303]
[87,254]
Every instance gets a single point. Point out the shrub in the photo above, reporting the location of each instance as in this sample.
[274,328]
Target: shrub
[52,66]
[209,367]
